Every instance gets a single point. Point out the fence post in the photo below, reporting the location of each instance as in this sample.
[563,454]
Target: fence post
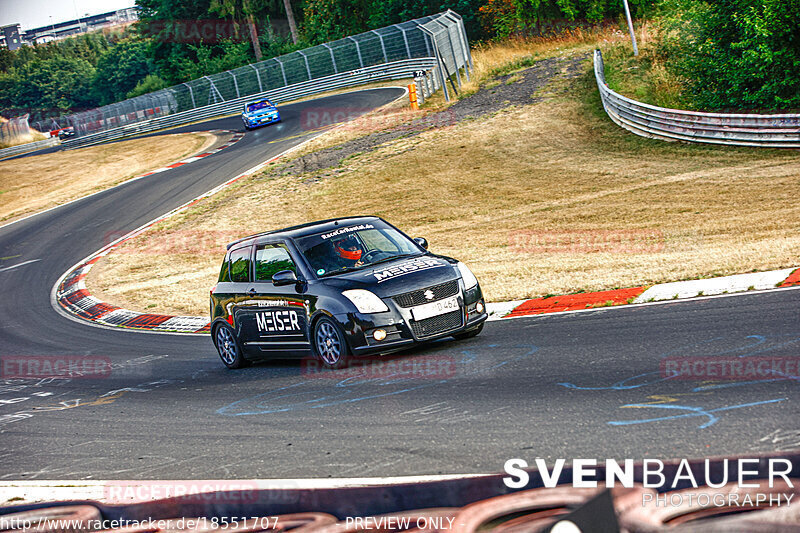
[283,71]
[405,39]
[258,76]
[191,94]
[358,51]
[308,68]
[383,47]
[235,83]
[333,59]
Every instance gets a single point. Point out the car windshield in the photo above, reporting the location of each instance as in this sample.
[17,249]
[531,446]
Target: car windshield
[354,247]
[256,106]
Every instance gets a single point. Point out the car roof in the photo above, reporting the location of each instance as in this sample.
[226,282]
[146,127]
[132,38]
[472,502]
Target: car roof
[309,228]
[259,101]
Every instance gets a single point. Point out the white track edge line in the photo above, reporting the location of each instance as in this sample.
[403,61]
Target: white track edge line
[130,180]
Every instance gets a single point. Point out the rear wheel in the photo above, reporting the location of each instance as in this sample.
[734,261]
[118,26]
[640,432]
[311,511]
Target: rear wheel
[469,333]
[228,347]
[329,343]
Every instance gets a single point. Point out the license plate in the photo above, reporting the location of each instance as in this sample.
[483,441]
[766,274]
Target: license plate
[448,305]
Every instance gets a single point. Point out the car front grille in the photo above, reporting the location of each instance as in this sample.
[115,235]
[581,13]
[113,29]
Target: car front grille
[443,290]
[437,324]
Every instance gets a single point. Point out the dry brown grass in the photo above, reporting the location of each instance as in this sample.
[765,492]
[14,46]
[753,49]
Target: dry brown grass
[559,170]
[31,184]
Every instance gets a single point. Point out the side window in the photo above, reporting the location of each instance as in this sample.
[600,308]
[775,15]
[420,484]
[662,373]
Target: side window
[240,264]
[223,272]
[272,258]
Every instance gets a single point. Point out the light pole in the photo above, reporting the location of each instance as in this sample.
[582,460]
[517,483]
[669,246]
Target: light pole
[630,27]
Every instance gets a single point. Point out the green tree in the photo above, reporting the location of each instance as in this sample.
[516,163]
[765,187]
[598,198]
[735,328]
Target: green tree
[58,83]
[328,20]
[736,53]
[149,84]
[120,68]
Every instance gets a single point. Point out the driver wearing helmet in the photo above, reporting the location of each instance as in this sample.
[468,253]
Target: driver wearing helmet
[350,250]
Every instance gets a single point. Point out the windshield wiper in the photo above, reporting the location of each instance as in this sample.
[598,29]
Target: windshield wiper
[392,258]
[343,270]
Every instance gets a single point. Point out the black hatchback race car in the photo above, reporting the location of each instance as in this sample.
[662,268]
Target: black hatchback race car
[335,288]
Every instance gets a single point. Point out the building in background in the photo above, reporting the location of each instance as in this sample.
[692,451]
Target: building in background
[13,37]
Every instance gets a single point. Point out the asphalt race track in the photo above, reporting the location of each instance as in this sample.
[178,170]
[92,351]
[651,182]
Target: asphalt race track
[580,385]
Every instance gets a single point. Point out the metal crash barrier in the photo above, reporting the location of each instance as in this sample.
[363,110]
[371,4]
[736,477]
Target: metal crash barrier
[737,129]
[434,48]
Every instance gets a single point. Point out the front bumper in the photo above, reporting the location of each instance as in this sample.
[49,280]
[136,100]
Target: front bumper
[261,121]
[401,329]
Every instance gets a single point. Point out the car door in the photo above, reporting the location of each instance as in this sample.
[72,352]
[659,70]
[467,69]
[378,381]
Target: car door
[275,322]
[234,282]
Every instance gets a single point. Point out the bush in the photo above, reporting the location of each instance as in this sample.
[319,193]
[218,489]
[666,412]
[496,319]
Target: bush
[149,84]
[735,54]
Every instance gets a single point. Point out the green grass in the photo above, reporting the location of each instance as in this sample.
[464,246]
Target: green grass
[645,78]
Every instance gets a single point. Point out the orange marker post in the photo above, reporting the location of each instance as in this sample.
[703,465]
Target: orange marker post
[412,95]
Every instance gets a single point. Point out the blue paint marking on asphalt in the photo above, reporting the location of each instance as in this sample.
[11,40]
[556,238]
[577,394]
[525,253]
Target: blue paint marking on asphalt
[622,385]
[351,389]
[751,345]
[694,411]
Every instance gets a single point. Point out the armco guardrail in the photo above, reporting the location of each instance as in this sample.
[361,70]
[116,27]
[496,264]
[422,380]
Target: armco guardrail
[436,41]
[28,147]
[775,131]
[397,70]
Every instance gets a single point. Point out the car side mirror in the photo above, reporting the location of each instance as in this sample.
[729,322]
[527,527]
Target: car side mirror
[422,241]
[284,277]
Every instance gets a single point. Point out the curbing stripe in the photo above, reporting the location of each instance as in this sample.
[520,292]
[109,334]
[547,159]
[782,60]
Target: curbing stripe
[712,286]
[794,279]
[236,137]
[233,140]
[572,302]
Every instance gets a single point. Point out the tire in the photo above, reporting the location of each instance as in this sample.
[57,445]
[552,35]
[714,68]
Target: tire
[470,333]
[228,347]
[329,343]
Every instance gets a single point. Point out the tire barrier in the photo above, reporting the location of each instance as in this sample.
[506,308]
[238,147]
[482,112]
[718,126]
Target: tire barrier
[691,513]
[529,511]
[735,129]
[459,505]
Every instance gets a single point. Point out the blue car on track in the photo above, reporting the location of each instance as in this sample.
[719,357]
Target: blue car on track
[260,113]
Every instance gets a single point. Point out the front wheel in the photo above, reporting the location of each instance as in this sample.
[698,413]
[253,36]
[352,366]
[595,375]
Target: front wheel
[329,343]
[469,333]
[228,347]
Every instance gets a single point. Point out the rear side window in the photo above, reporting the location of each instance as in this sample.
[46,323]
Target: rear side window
[223,272]
[240,265]
[271,259]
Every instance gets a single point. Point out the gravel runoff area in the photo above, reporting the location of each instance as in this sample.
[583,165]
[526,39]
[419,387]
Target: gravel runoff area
[514,89]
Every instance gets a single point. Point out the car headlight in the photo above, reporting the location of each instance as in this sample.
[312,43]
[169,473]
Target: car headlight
[365,301]
[466,274]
